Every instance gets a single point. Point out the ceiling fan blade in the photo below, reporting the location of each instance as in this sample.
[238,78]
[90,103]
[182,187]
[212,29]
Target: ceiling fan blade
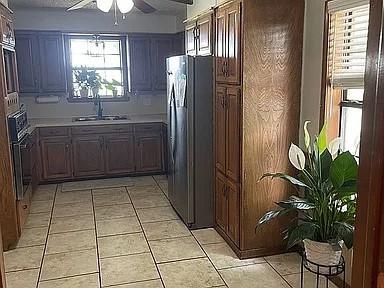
[143,6]
[190,2]
[80,5]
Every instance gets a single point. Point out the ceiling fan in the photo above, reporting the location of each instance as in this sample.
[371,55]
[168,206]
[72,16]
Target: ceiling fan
[124,6]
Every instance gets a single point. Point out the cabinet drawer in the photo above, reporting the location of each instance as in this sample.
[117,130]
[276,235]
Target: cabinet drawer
[84,130]
[54,131]
[148,127]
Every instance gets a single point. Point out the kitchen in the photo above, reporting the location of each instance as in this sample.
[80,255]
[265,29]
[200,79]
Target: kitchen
[132,143]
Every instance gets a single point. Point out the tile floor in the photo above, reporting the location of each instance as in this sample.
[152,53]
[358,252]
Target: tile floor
[123,233]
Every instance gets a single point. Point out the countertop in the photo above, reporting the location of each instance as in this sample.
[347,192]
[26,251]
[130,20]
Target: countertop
[54,122]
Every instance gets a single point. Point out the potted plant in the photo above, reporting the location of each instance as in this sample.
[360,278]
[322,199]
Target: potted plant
[81,77]
[94,81]
[112,86]
[325,204]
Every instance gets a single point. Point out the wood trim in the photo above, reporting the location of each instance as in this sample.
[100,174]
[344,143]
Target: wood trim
[369,250]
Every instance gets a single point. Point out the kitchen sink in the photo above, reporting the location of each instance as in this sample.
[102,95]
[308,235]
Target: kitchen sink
[103,118]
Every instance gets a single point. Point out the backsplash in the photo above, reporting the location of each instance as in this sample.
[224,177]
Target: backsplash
[138,105]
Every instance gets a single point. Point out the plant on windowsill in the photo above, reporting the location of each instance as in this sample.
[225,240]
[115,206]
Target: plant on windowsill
[326,204]
[94,81]
[81,77]
[112,86]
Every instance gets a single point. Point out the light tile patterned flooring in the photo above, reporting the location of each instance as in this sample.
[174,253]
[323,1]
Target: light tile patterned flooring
[123,233]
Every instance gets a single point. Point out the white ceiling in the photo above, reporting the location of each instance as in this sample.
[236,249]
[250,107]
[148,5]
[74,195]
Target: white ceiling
[163,6]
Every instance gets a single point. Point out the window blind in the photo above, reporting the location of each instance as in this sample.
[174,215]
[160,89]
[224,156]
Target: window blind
[347,46]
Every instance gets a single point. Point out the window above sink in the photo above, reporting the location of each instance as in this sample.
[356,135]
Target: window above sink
[96,67]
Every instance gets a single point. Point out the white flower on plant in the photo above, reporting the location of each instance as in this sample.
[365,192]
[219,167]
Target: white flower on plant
[296,157]
[334,147]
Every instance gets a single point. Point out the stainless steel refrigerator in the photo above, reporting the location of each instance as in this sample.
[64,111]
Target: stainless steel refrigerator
[190,138]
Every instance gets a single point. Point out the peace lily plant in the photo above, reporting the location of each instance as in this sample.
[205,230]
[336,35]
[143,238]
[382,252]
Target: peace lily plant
[326,201]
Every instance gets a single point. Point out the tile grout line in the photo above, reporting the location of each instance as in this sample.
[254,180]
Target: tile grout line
[97,242]
[46,239]
[282,277]
[145,236]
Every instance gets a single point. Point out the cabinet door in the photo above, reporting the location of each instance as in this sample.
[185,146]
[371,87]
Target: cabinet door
[140,60]
[221,203]
[52,69]
[27,62]
[204,35]
[56,158]
[220,130]
[149,153]
[88,155]
[220,45]
[232,193]
[161,49]
[190,39]
[233,43]
[119,154]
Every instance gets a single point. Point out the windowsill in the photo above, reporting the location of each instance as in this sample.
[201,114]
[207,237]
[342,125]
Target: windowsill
[105,99]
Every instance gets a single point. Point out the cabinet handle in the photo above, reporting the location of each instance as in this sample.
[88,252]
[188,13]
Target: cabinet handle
[223,101]
[223,69]
[66,147]
[25,207]
[226,69]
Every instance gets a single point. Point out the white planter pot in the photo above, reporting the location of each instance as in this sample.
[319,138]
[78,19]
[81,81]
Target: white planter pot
[84,92]
[322,253]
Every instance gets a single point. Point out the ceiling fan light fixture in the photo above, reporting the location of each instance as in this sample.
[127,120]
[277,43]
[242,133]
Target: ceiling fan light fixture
[104,5]
[125,5]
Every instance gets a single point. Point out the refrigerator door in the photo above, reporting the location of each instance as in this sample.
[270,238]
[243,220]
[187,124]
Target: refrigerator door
[180,111]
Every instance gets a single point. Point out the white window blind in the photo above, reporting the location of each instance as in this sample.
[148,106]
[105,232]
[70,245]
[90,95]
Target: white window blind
[348,35]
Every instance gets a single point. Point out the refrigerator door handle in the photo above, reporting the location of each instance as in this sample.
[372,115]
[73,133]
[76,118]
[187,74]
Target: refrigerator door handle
[172,109]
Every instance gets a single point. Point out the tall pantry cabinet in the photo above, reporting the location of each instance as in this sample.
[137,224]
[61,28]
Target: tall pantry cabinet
[258,50]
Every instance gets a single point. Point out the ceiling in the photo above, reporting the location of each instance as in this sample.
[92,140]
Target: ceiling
[163,6]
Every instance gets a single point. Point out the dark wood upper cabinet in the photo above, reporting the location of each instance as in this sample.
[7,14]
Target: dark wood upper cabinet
[41,63]
[52,68]
[56,158]
[190,39]
[204,35]
[161,50]
[88,155]
[149,152]
[119,154]
[140,63]
[228,39]
[27,50]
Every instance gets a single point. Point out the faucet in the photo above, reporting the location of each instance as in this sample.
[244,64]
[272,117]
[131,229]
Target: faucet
[99,107]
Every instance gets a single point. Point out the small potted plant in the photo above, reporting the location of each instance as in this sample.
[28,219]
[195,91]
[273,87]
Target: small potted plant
[81,77]
[94,81]
[325,204]
[112,86]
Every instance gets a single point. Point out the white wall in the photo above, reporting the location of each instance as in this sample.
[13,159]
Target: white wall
[94,21]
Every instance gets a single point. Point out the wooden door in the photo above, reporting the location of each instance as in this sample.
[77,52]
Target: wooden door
[221,203]
[220,128]
[56,158]
[161,49]
[221,49]
[88,155]
[27,62]
[233,97]
[233,35]
[233,211]
[190,39]
[140,60]
[149,153]
[52,65]
[204,35]
[119,154]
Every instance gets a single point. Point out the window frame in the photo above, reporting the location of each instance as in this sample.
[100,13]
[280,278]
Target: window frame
[332,99]
[124,63]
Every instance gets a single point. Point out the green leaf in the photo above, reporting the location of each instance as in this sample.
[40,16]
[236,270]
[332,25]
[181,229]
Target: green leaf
[326,161]
[301,232]
[296,203]
[272,215]
[345,232]
[288,178]
[343,169]
[322,139]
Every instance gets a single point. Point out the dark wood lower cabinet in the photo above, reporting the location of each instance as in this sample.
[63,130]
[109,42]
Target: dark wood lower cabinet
[88,156]
[221,202]
[96,151]
[56,158]
[119,154]
[149,152]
